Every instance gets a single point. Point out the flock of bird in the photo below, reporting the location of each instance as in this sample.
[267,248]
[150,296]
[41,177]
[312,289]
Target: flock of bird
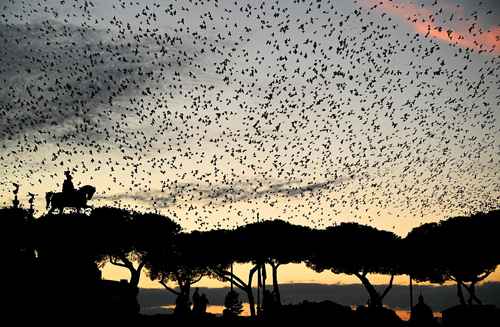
[215,111]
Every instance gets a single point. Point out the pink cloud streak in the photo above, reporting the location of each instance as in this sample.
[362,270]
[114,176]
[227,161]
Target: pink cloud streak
[423,21]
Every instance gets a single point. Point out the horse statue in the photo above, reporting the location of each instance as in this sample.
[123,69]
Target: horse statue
[77,199]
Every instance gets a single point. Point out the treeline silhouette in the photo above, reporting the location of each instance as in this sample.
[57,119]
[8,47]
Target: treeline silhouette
[47,256]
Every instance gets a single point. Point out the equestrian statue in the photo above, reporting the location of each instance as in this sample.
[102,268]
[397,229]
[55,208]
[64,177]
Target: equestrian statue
[69,197]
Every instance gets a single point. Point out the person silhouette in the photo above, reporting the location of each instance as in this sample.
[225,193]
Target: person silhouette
[203,303]
[196,301]
[68,188]
[421,314]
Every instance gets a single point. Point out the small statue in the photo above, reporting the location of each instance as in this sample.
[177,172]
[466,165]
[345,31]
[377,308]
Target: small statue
[31,202]
[15,202]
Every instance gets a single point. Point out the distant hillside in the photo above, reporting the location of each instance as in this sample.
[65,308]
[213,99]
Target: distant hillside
[438,297]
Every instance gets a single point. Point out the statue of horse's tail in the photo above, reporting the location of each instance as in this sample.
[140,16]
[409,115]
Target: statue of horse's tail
[48,197]
[91,193]
[88,190]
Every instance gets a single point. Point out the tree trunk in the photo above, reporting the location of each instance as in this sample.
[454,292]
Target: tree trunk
[251,300]
[470,291]
[261,280]
[259,285]
[276,287]
[460,293]
[134,277]
[232,277]
[183,304]
[264,277]
[472,294]
[186,290]
[135,273]
[375,298]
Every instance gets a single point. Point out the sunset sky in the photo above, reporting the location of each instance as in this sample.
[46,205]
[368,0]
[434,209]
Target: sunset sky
[215,113]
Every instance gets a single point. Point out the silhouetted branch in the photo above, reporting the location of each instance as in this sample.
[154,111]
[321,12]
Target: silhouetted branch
[168,288]
[227,276]
[194,281]
[141,265]
[113,261]
[178,279]
[484,275]
[274,264]
[388,288]
[250,275]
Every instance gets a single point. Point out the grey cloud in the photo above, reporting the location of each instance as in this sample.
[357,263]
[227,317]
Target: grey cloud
[151,198]
[223,194]
[53,73]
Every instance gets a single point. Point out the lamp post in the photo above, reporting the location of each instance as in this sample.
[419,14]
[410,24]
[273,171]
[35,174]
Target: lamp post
[411,294]
[258,280]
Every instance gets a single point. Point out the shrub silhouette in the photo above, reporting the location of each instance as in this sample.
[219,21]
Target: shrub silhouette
[232,305]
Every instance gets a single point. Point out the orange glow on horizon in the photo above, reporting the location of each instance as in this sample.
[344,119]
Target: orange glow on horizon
[287,274]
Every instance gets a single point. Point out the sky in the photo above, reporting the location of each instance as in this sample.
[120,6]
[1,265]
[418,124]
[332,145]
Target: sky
[219,113]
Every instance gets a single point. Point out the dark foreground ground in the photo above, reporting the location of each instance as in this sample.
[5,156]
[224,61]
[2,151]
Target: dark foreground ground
[439,298]
[116,303]
[331,314]
[307,314]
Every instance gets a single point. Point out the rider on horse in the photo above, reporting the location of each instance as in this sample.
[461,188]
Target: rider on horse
[68,188]
[69,197]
